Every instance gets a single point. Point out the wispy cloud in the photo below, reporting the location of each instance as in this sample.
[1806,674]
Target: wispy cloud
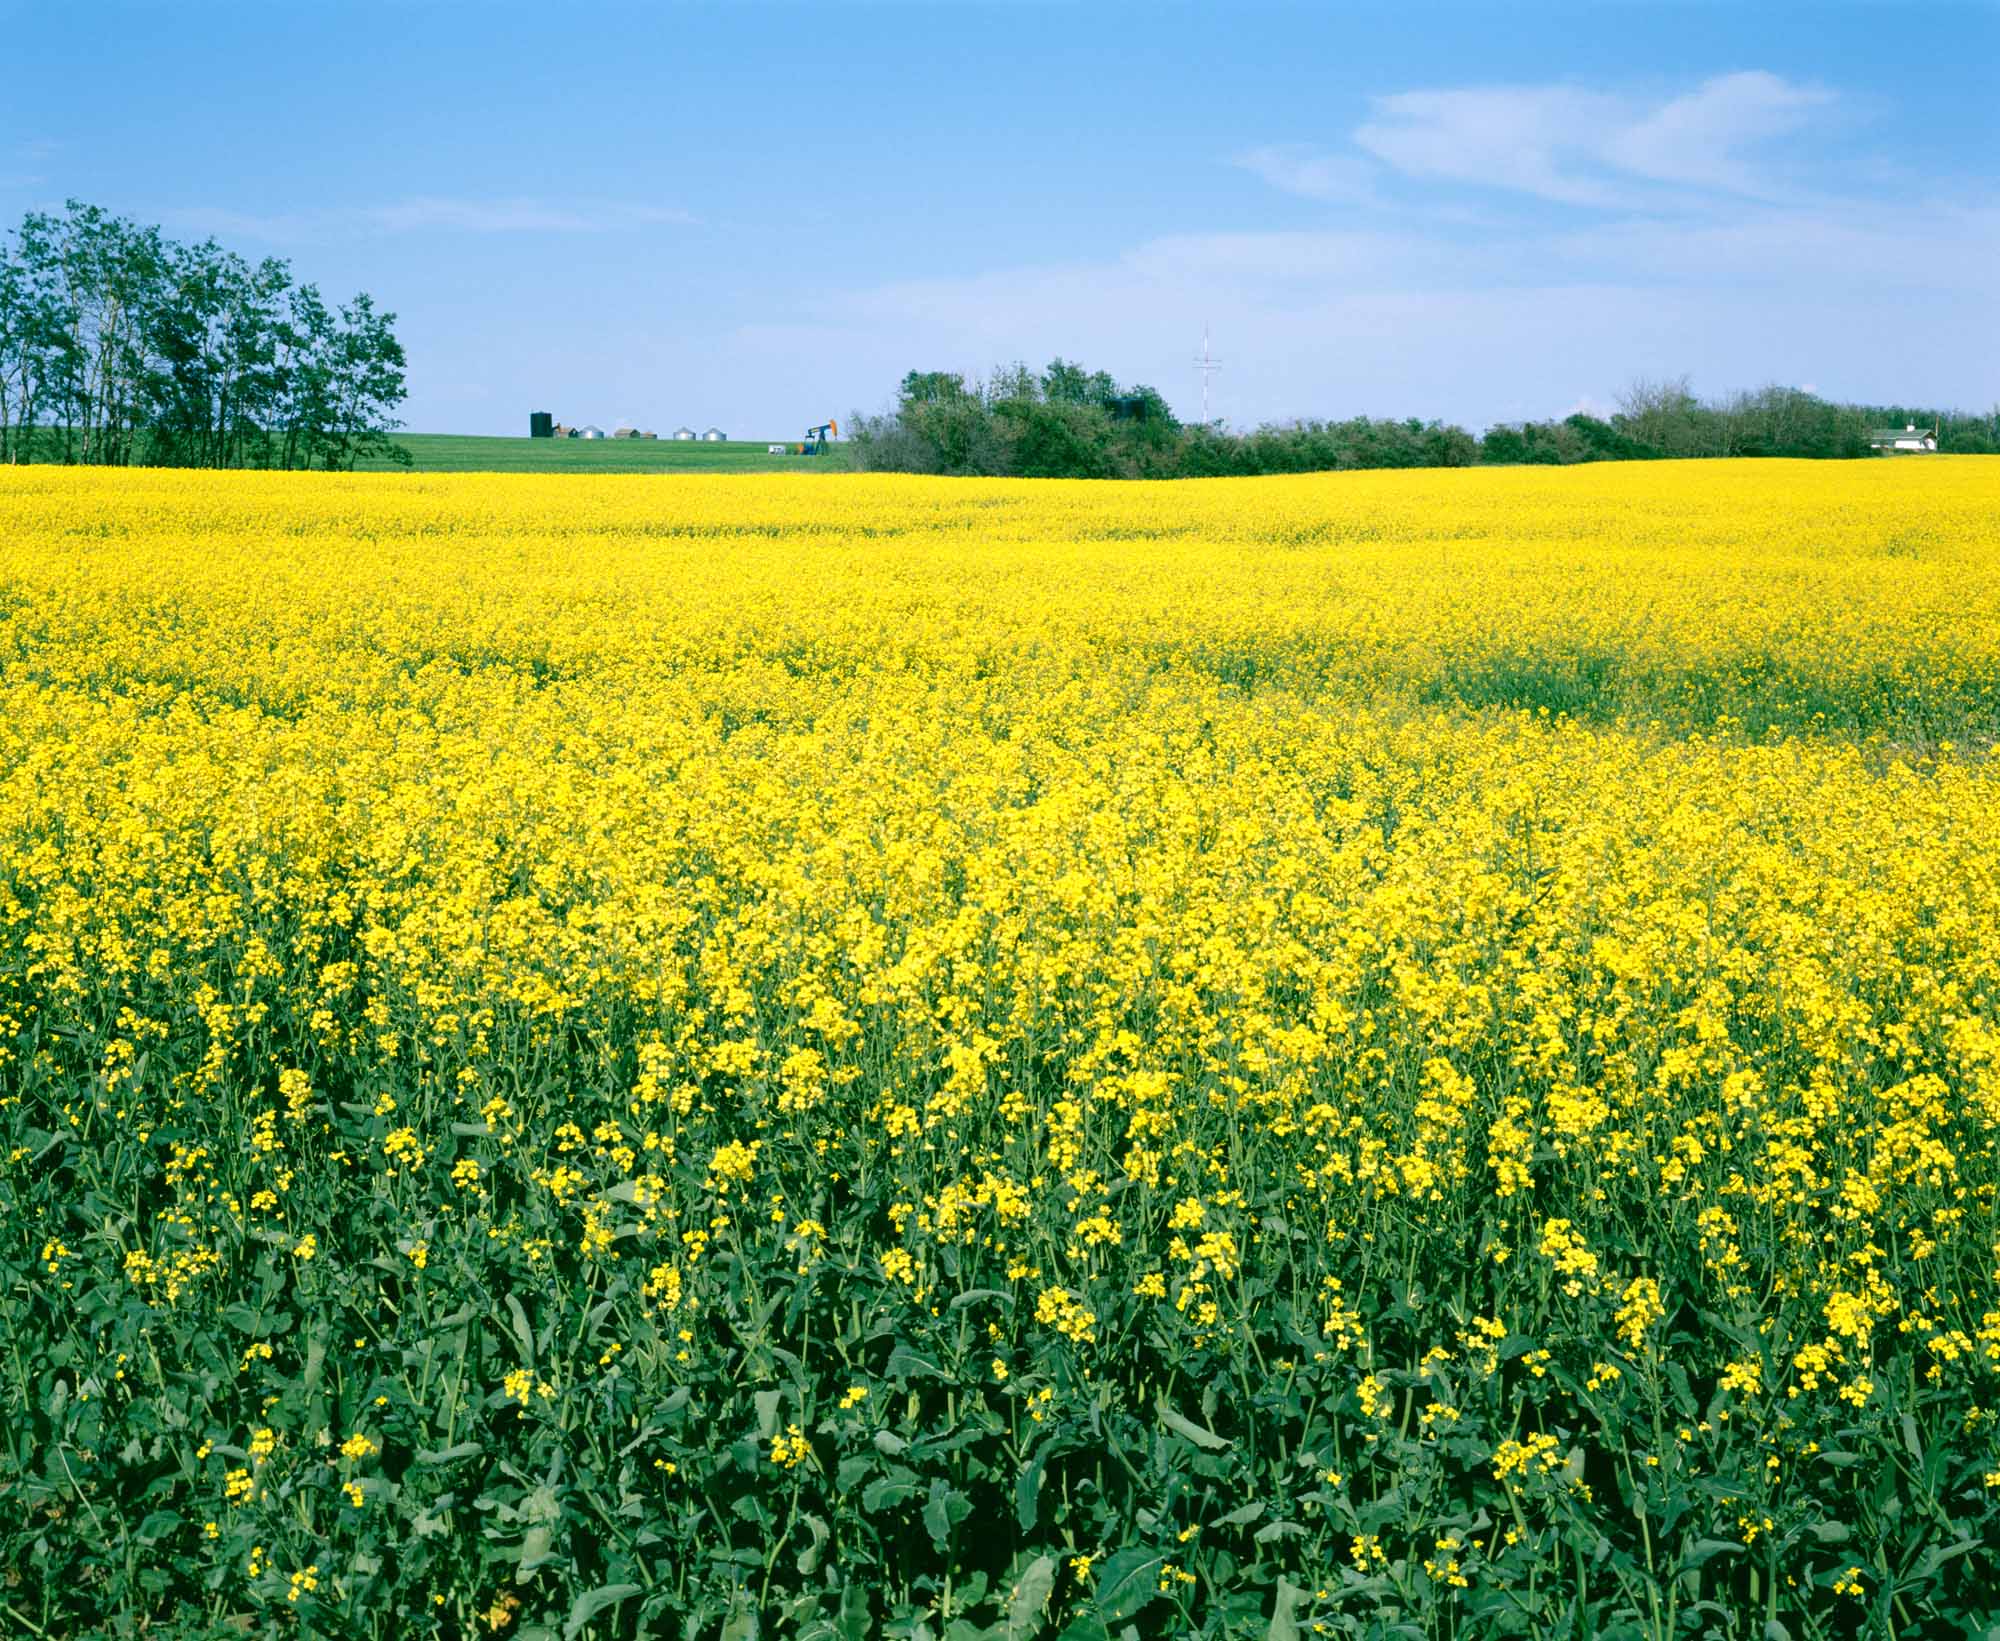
[1526,138]
[430,213]
[1703,138]
[1576,146]
[1312,173]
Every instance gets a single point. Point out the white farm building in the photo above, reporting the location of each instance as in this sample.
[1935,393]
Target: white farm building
[1907,438]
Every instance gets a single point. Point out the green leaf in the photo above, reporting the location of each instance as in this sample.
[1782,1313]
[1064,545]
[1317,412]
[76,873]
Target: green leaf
[905,1363]
[449,1455]
[854,1623]
[1126,1583]
[315,1359]
[523,1335]
[592,1602]
[157,1525]
[1939,1554]
[886,1493]
[1243,1515]
[808,1558]
[1200,1435]
[534,1551]
[1031,1595]
[1028,1492]
[943,1510]
[1284,1614]
[1704,1550]
[767,1403]
[935,1519]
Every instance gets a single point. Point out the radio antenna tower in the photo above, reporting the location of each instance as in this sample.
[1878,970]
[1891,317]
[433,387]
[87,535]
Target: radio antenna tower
[1208,366]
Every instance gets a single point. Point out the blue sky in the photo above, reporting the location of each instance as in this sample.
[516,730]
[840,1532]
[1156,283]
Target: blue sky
[758,215]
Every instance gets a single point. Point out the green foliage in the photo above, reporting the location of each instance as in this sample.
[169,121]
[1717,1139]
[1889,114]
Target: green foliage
[119,346]
[1066,422]
[1265,1483]
[1576,438]
[1659,419]
[1310,447]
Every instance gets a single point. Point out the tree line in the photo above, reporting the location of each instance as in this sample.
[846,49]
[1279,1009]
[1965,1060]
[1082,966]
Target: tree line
[120,346]
[1067,422]
[1666,419]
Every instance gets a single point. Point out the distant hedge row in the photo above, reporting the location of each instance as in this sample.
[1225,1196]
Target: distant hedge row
[1066,422]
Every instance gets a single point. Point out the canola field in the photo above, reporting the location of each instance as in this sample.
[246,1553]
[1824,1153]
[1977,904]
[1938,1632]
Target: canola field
[1393,1055]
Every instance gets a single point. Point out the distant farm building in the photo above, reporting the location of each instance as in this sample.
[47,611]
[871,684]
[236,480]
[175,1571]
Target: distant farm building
[1908,438]
[541,425]
[684,433]
[714,435]
[588,433]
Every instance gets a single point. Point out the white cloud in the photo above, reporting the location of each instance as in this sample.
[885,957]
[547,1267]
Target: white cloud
[1594,148]
[1699,138]
[1298,168]
[1528,138]
[426,213]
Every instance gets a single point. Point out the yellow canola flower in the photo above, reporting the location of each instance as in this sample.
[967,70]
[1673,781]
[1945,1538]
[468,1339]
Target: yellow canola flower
[1164,896]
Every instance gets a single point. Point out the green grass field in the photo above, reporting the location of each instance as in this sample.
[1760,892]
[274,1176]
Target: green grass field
[467,453]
